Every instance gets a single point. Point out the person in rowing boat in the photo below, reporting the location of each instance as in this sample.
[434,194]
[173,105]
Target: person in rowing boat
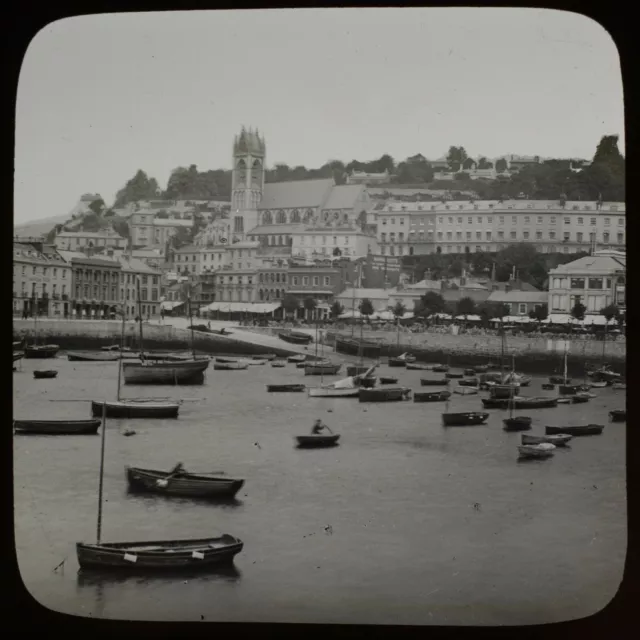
[178,470]
[318,427]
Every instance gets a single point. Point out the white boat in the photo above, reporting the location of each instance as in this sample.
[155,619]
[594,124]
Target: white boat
[619,385]
[466,391]
[564,400]
[598,385]
[345,388]
[542,450]
[558,440]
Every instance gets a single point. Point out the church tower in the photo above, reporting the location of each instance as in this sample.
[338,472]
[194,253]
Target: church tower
[247,182]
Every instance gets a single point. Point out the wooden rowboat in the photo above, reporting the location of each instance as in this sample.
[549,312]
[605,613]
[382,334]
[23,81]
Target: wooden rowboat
[187,372]
[416,366]
[265,356]
[388,380]
[43,374]
[298,358]
[388,394]
[434,382]
[453,376]
[194,485]
[518,423]
[279,364]
[548,386]
[230,366]
[326,369]
[465,419]
[283,388]
[580,398]
[618,415]
[333,392]
[158,555]
[466,391]
[542,450]
[441,368]
[559,440]
[41,351]
[57,427]
[92,356]
[355,370]
[296,338]
[431,396]
[559,380]
[581,430]
[317,441]
[136,409]
[469,382]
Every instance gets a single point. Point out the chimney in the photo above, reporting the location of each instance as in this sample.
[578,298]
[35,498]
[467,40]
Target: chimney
[463,281]
[507,288]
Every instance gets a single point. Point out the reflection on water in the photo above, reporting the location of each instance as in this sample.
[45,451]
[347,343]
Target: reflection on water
[404,522]
[146,499]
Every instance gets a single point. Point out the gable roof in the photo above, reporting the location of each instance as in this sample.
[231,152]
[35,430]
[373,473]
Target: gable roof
[295,194]
[593,263]
[343,196]
[519,296]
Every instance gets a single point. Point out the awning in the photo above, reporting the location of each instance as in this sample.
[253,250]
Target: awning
[239,307]
[472,318]
[169,305]
[441,316]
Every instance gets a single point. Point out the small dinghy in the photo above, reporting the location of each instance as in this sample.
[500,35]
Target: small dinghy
[92,356]
[470,372]
[40,375]
[295,337]
[453,376]
[559,440]
[434,382]
[469,382]
[517,423]
[226,359]
[388,380]
[620,386]
[317,441]
[57,427]
[568,389]
[542,450]
[559,380]
[356,370]
[298,358]
[401,360]
[581,430]
[431,396]
[563,400]
[388,394]
[285,388]
[229,366]
[600,384]
[416,366]
[321,369]
[465,391]
[278,364]
[265,356]
[441,368]
[464,419]
[618,415]
[579,398]
[548,386]
[134,408]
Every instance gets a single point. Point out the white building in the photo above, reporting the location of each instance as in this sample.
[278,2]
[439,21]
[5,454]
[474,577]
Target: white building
[82,240]
[325,242]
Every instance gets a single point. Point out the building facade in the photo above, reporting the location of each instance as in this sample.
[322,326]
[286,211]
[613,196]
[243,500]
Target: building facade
[82,240]
[520,303]
[135,271]
[96,284]
[149,230]
[350,241]
[596,281]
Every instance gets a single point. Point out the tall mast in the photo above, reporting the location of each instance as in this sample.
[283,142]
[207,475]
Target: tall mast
[104,432]
[140,316]
[193,348]
[121,355]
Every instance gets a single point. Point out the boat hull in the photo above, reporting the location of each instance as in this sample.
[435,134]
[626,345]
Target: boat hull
[323,392]
[187,485]
[295,339]
[318,370]
[557,440]
[356,370]
[57,427]
[618,415]
[431,396]
[466,419]
[18,355]
[520,423]
[285,388]
[436,382]
[356,348]
[317,441]
[41,352]
[44,375]
[165,373]
[167,555]
[136,409]
[544,450]
[383,395]
[88,356]
[582,430]
[388,380]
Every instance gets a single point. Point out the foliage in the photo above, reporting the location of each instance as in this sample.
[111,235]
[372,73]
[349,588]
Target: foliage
[181,238]
[189,183]
[97,206]
[121,227]
[162,214]
[539,313]
[310,303]
[466,307]
[483,163]
[366,307]
[140,187]
[430,303]
[578,311]
[456,158]
[610,312]
[399,309]
[92,222]
[290,303]
[501,165]
[337,252]
[489,310]
[336,309]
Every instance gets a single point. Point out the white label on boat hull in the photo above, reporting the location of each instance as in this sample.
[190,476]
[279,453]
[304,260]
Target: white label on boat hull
[198,554]
[162,483]
[130,557]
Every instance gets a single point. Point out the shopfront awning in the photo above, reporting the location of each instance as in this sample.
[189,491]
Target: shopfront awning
[169,305]
[242,307]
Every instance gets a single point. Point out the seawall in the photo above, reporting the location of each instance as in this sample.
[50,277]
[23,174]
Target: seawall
[93,334]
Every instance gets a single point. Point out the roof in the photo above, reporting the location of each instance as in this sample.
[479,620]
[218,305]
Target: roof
[106,233]
[453,295]
[190,248]
[274,228]
[167,222]
[295,194]
[343,196]
[359,294]
[98,262]
[137,266]
[67,256]
[519,296]
[599,262]
[451,207]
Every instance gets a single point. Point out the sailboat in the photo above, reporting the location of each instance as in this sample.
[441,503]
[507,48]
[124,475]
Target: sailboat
[463,419]
[565,388]
[40,351]
[173,372]
[160,555]
[322,366]
[133,408]
[513,423]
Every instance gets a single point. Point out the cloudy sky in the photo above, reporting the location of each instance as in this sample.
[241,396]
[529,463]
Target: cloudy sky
[102,96]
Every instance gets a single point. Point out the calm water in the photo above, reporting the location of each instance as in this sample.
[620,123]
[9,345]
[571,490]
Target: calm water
[426,525]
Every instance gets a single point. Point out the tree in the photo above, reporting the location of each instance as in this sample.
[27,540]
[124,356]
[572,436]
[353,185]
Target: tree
[398,310]
[310,305]
[181,238]
[483,163]
[466,307]
[290,304]
[539,313]
[468,163]
[337,252]
[97,206]
[578,311]
[336,310]
[121,227]
[610,312]
[501,165]
[162,214]
[366,307]
[456,158]
[430,303]
[91,222]
[140,187]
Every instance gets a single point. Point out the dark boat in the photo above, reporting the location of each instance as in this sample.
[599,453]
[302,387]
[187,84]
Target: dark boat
[187,372]
[502,391]
[389,394]
[301,365]
[294,337]
[43,374]
[18,345]
[133,408]
[321,368]
[467,418]
[279,364]
[92,356]
[41,351]
[520,402]
[547,386]
[116,347]
[230,366]
[226,359]
[470,372]
[618,415]
[362,348]
[57,427]
[388,380]
[559,380]
[417,366]
[582,430]
[163,356]
[264,356]
[434,382]
[580,398]
[397,362]
[272,388]
[317,441]
[568,389]
[353,370]
[298,358]
[431,396]
[469,382]
[166,554]
[453,376]
[441,368]
[18,355]
[518,423]
[195,485]
[481,368]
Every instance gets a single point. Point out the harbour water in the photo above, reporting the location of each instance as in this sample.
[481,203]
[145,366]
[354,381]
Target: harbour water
[405,522]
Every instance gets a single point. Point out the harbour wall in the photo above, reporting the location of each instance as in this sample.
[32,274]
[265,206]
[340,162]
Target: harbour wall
[94,334]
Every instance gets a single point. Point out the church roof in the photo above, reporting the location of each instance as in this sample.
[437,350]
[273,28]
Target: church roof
[343,196]
[274,228]
[296,194]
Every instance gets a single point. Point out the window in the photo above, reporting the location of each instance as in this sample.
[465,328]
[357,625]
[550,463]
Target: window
[501,219]
[335,240]
[552,235]
[595,283]
[383,237]
[514,219]
[402,219]
[538,235]
[566,236]
[478,248]
[620,238]
[579,236]
[439,235]
[470,220]
[527,219]
[478,235]
[593,222]
[450,220]
[620,221]
[526,235]
[316,281]
[326,281]
[490,219]
[607,222]
[468,235]
[501,235]
[580,220]
[567,220]
[440,220]
[294,280]
[522,308]
[552,220]
[449,235]
[480,219]
[458,235]
[513,235]
[305,280]
[605,237]
[577,283]
[539,219]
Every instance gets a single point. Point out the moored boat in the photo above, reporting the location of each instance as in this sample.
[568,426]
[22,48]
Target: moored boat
[579,398]
[320,369]
[297,358]
[195,485]
[453,376]
[295,337]
[44,374]
[187,372]
[441,368]
[465,391]
[278,364]
[41,351]
[464,419]
[317,441]
[397,362]
[431,396]
[417,366]
[520,402]
[548,386]
[135,408]
[469,382]
[388,394]
[18,355]
[433,382]
[517,423]
[542,450]
[355,370]
[333,392]
[618,415]
[92,356]
[620,386]
[599,384]
[230,366]
[568,389]
[283,388]
[388,380]
[559,380]
[362,348]
[226,359]
[559,440]
[265,356]
[470,372]
[503,391]
[581,430]
[186,555]
[57,427]
[115,347]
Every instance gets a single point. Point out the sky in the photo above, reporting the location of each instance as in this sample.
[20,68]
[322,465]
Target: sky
[102,96]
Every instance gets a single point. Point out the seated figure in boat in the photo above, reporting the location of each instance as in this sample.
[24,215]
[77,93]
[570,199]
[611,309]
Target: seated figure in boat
[318,427]
[178,470]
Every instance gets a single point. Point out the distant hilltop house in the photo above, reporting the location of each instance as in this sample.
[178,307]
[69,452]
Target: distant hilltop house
[80,240]
[361,177]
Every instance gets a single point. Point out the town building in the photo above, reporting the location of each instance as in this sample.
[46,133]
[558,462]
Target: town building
[596,281]
[42,281]
[520,303]
[362,177]
[187,260]
[272,281]
[82,240]
[350,241]
[351,298]
[95,284]
[150,228]
[319,282]
[134,271]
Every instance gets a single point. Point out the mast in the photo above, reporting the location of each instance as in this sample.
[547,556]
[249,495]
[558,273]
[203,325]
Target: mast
[193,349]
[513,378]
[140,317]
[360,347]
[104,432]
[122,340]
[353,301]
